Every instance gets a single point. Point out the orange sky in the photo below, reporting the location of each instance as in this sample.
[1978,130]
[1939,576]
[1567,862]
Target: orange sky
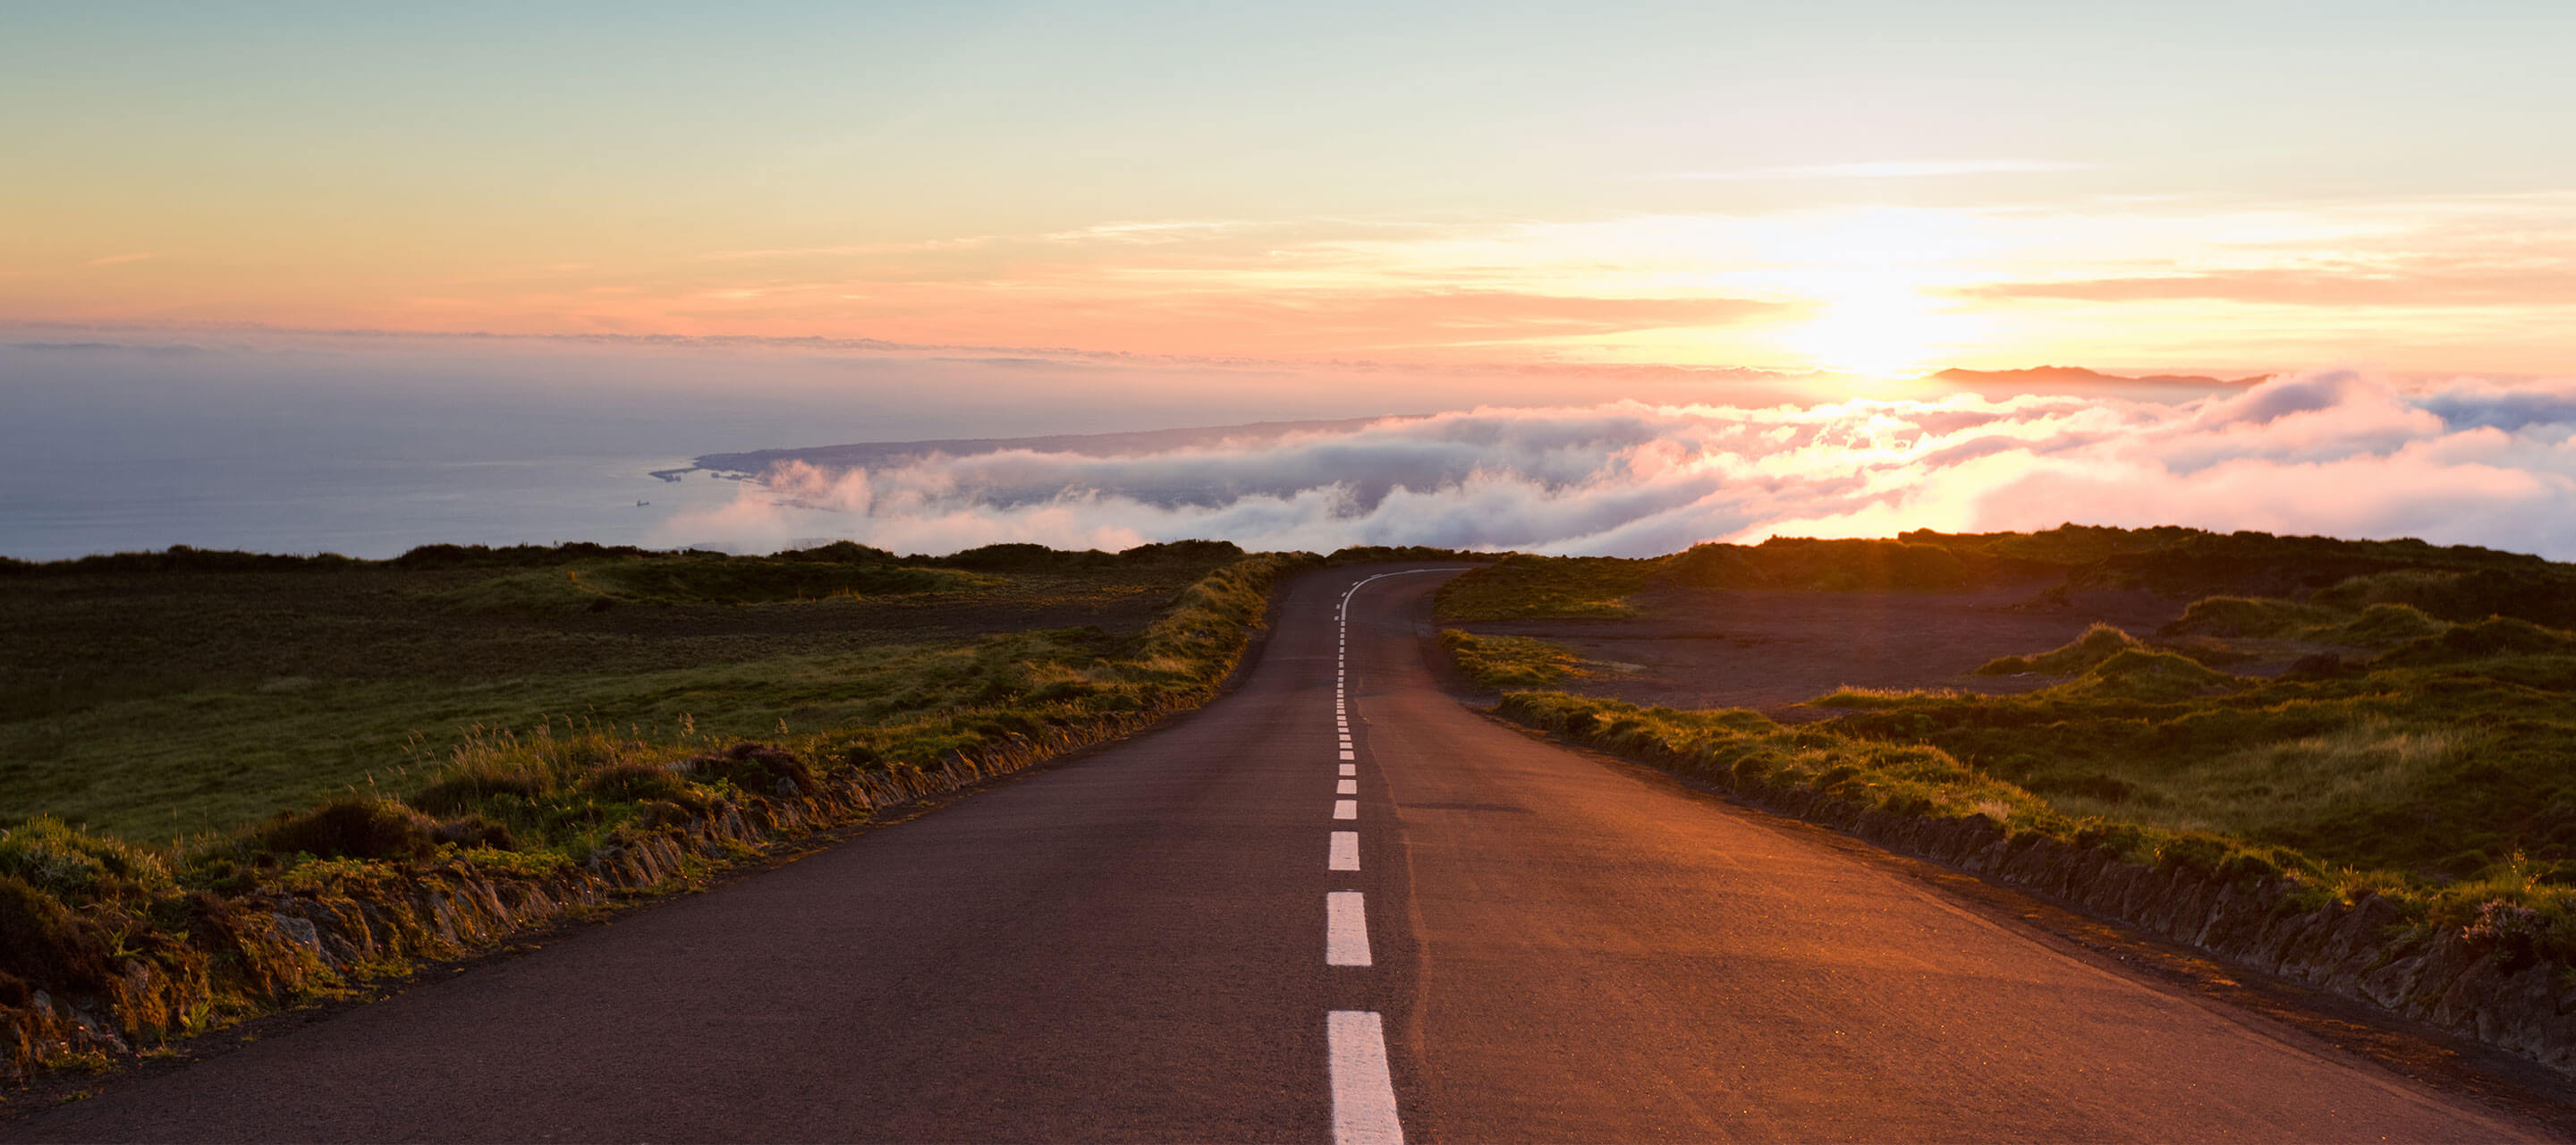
[1159,183]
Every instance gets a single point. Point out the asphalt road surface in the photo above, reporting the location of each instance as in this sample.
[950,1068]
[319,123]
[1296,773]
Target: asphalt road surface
[1312,910]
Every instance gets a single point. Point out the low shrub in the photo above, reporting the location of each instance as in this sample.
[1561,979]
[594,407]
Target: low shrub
[469,783]
[756,768]
[2139,674]
[2099,643]
[636,782]
[79,866]
[42,942]
[356,828]
[1499,662]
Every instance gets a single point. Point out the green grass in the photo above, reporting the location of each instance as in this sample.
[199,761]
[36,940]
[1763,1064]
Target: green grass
[1522,586]
[2218,814]
[693,579]
[2099,643]
[215,759]
[1806,564]
[2442,758]
[2429,756]
[2457,583]
[1499,662]
[160,696]
[2374,624]
[212,731]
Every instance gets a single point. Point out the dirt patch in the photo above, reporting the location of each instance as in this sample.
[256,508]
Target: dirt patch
[1772,649]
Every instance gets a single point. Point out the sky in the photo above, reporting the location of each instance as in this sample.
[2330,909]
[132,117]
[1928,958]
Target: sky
[250,252]
[2240,186]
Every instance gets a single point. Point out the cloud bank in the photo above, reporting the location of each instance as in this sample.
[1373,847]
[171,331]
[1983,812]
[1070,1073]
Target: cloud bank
[2338,453]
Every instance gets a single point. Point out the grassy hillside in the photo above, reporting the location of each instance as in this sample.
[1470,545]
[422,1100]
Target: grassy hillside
[160,696]
[2453,583]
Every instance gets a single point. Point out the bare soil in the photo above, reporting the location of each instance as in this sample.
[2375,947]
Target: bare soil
[1774,650]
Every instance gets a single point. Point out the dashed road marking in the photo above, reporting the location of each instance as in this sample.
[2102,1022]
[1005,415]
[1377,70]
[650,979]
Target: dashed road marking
[1363,1091]
[1345,929]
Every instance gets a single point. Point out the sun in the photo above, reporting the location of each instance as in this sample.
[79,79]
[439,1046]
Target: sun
[1877,327]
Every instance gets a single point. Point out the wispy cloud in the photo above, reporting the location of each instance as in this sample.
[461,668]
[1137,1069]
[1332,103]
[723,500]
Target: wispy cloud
[114,259]
[2350,286]
[1142,232]
[1891,169]
[2454,282]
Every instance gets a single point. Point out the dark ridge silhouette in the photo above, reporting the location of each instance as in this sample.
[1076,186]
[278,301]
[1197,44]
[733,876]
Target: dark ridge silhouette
[2041,376]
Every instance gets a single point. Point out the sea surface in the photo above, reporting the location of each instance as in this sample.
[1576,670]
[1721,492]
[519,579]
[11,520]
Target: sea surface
[98,465]
[369,445]
[354,506]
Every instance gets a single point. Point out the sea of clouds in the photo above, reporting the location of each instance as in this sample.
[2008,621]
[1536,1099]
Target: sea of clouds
[2337,453]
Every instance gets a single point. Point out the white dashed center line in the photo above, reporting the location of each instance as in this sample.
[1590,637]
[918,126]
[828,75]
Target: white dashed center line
[1363,1090]
[1363,1093]
[1345,929]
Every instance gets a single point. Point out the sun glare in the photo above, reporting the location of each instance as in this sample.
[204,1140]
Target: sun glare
[1879,329]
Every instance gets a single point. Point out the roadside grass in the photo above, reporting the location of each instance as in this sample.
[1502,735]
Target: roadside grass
[1522,586]
[2442,758]
[1743,750]
[1499,662]
[2421,757]
[2444,785]
[160,696]
[156,824]
[187,695]
[167,696]
[214,759]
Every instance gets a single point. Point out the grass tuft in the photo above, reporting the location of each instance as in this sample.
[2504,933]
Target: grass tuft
[2099,644]
[354,828]
[1499,662]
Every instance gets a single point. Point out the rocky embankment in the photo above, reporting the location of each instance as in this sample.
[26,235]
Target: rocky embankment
[328,927]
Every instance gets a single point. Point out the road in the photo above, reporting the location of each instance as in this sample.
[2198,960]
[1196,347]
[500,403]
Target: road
[1270,921]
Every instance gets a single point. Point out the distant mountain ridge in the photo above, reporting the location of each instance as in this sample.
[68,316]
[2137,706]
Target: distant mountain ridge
[2079,376]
